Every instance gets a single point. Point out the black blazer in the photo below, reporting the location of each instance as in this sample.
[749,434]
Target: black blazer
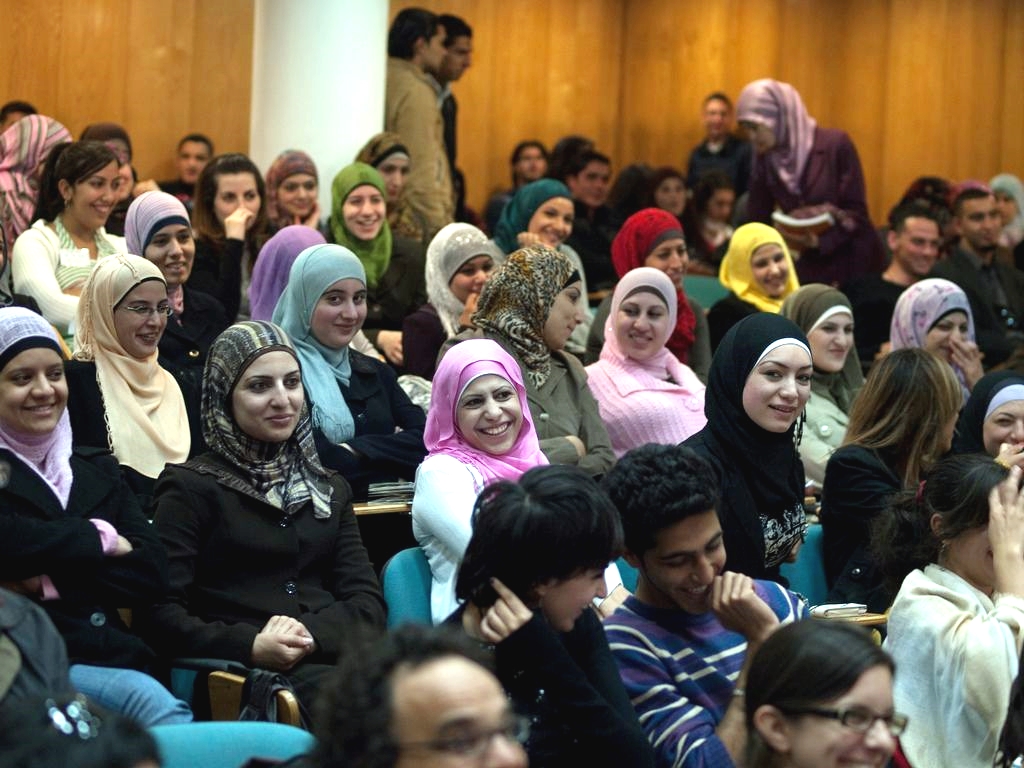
[38,537]
[379,406]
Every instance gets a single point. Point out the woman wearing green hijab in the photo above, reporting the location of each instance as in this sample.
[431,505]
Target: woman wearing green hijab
[395,284]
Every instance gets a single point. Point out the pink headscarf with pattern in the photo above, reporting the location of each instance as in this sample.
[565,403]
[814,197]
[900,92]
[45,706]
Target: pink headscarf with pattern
[24,146]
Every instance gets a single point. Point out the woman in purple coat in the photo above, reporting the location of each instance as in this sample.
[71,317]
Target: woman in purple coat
[805,170]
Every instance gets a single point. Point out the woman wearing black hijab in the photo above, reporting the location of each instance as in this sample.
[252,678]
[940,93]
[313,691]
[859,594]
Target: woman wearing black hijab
[992,421]
[759,383]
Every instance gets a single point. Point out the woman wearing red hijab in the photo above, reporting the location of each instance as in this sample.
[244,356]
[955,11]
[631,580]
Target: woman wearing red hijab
[654,238]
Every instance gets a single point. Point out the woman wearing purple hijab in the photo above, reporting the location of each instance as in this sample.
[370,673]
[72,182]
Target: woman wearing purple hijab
[804,170]
[270,273]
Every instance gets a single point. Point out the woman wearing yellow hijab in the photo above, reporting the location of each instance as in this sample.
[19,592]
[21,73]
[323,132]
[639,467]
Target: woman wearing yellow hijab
[759,273]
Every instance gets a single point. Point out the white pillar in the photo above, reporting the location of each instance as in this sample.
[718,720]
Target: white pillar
[317,81]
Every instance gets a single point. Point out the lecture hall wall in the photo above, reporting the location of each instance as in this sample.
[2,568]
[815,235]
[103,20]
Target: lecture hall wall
[923,86]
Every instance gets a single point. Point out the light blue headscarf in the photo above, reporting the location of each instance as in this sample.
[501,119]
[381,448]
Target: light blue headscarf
[315,270]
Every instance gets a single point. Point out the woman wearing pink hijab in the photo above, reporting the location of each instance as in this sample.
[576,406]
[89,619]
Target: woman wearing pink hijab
[645,394]
[478,430]
[805,170]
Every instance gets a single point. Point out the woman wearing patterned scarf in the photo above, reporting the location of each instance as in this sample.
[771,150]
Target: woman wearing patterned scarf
[267,567]
[529,307]
[292,187]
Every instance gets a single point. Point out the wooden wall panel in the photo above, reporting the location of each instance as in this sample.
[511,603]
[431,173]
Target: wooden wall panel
[922,86]
[159,68]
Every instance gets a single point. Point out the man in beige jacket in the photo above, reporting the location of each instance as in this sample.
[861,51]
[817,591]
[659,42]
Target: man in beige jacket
[416,48]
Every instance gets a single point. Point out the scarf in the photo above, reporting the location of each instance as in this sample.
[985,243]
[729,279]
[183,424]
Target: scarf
[516,301]
[273,264]
[735,272]
[145,413]
[288,163]
[515,216]
[991,391]
[403,220]
[920,307]
[375,254]
[148,214]
[764,459]
[1008,184]
[642,232]
[461,365]
[453,246]
[49,456]
[315,270]
[24,148]
[809,307]
[778,106]
[285,475]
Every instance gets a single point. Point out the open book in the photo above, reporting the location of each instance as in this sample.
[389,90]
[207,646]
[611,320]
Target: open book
[816,224]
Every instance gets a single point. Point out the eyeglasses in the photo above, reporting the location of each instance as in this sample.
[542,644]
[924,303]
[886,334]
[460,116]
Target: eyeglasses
[859,719]
[475,745]
[146,310]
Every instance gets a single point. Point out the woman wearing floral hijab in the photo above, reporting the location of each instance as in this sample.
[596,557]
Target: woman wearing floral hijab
[266,564]
[530,308]
[935,315]
[292,187]
[806,170]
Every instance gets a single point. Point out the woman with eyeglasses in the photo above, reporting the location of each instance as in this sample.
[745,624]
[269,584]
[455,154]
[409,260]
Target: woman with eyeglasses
[820,695]
[120,398]
[953,547]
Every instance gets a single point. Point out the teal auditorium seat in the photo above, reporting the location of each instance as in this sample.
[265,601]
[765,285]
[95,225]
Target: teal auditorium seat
[406,582]
[228,744]
[807,574]
[628,573]
[704,289]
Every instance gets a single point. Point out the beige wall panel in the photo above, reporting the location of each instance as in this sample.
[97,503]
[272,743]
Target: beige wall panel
[159,68]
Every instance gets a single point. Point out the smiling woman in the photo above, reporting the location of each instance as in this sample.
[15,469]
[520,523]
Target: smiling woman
[759,273]
[142,418]
[645,394]
[825,315]
[51,260]
[759,384]
[530,307]
[364,425]
[479,429]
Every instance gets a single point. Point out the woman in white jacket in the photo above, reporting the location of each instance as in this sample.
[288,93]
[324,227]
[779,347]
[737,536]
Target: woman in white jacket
[957,625]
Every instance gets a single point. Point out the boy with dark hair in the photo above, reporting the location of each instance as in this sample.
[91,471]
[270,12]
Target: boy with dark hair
[682,642]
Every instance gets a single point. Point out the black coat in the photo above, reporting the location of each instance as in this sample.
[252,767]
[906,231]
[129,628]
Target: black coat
[217,272]
[379,406]
[38,537]
[235,561]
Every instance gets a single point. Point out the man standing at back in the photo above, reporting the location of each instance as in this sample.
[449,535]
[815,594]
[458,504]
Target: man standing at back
[458,45]
[720,150]
[415,51]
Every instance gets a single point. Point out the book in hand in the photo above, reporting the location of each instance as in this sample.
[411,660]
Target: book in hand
[813,224]
[839,610]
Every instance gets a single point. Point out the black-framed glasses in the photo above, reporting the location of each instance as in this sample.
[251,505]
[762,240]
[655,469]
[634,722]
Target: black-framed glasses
[859,719]
[475,745]
[146,310]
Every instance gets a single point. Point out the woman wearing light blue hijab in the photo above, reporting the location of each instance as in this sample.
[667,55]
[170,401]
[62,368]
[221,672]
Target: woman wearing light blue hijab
[364,424]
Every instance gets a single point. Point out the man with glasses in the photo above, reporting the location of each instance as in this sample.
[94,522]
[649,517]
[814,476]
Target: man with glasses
[420,696]
[684,640]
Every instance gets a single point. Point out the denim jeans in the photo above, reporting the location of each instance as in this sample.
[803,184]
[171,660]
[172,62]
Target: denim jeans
[130,693]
